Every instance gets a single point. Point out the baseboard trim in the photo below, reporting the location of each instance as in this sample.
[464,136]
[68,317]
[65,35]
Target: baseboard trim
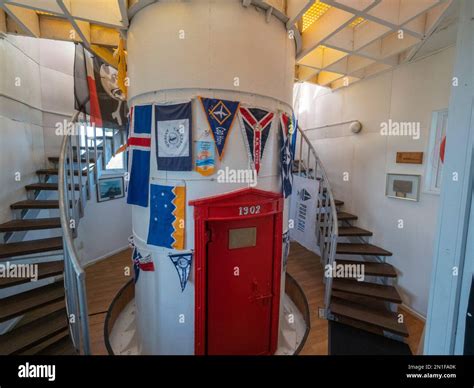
[106,256]
[414,312]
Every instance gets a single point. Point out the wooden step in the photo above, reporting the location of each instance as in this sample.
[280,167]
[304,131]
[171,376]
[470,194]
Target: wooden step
[361,249]
[33,224]
[41,312]
[19,304]
[30,247]
[55,159]
[45,270]
[63,347]
[46,187]
[372,290]
[337,202]
[372,269]
[35,204]
[353,231]
[344,216]
[30,351]
[382,318]
[55,171]
[34,333]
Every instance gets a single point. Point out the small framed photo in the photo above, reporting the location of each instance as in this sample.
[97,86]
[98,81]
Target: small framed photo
[110,188]
[403,186]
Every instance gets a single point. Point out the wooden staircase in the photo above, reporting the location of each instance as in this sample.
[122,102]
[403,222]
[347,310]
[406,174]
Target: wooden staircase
[41,325]
[366,305]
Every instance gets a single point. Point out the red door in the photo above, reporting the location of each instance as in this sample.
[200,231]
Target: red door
[239,286]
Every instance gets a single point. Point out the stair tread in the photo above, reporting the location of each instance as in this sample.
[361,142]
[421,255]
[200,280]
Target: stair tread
[36,349]
[361,249]
[33,333]
[35,204]
[63,347]
[55,159]
[348,231]
[33,224]
[345,216]
[41,312]
[46,186]
[386,319]
[55,171]
[45,270]
[378,291]
[373,269]
[21,303]
[29,247]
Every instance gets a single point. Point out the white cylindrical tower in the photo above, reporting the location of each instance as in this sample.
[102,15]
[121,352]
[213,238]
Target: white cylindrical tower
[178,51]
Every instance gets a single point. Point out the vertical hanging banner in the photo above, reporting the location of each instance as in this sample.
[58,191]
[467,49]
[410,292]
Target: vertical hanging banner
[255,127]
[205,157]
[139,148]
[174,137]
[285,156]
[182,263]
[294,134]
[220,115]
[167,216]
[286,247]
[96,91]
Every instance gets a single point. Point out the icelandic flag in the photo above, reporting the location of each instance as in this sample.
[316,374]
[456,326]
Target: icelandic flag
[256,125]
[139,148]
[174,137]
[220,116]
[182,263]
[167,216]
[285,156]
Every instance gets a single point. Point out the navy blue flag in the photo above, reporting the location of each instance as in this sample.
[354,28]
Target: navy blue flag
[285,156]
[220,116]
[182,263]
[174,137]
[139,148]
[286,247]
[294,134]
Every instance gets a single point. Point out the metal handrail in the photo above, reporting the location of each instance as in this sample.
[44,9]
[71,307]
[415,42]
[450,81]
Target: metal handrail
[327,226]
[69,212]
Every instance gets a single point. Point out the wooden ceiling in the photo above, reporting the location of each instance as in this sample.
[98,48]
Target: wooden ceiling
[339,41]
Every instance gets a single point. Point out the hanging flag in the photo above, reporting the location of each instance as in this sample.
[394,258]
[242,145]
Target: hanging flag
[285,156]
[205,157]
[182,263]
[255,127]
[286,247]
[220,116]
[122,67]
[96,91]
[139,148]
[174,137]
[136,264]
[167,212]
[294,134]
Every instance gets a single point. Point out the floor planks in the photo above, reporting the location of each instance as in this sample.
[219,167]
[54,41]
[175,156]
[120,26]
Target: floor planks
[105,278]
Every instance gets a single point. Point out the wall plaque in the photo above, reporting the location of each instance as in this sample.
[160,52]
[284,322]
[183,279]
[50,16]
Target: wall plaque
[410,157]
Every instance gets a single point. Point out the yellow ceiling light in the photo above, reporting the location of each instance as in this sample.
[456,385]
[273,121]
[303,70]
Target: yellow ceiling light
[317,10]
[356,22]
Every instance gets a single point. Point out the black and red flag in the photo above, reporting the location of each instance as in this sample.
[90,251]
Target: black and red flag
[96,91]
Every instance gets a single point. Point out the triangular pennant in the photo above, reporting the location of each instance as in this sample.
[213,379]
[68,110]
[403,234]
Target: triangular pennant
[255,126]
[182,263]
[220,115]
[285,156]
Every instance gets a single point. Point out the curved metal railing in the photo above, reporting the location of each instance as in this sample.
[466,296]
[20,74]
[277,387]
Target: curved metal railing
[327,230]
[71,202]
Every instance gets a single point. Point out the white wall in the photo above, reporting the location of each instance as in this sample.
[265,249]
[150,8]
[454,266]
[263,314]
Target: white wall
[409,93]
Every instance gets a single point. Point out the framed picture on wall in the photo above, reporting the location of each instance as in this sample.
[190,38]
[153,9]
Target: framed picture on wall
[110,188]
[403,186]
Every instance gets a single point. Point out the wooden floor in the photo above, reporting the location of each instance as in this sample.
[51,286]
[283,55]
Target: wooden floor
[305,267]
[105,278]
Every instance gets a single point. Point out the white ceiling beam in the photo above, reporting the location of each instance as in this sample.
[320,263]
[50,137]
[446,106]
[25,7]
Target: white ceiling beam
[82,28]
[295,10]
[123,6]
[27,19]
[326,26]
[49,6]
